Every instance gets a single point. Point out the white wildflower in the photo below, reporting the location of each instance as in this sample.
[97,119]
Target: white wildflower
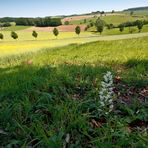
[106,93]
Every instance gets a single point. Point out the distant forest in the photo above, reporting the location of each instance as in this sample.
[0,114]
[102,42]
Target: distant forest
[39,22]
[137,9]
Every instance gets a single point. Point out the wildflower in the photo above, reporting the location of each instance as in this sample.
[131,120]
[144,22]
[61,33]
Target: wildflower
[106,93]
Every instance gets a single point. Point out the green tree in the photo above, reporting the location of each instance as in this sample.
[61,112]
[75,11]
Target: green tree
[131,13]
[14,35]
[1,36]
[102,12]
[66,23]
[34,34]
[100,25]
[85,21]
[78,30]
[55,32]
[113,11]
[139,25]
[110,26]
[121,28]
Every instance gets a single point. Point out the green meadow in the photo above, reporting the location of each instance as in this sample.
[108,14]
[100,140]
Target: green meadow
[51,88]
[115,19]
[52,95]
[26,43]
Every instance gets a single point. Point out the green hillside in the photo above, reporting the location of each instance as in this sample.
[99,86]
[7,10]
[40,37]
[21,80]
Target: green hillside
[51,98]
[138,11]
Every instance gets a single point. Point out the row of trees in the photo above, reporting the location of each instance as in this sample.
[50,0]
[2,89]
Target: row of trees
[101,24]
[138,23]
[14,35]
[134,23]
[39,22]
[7,24]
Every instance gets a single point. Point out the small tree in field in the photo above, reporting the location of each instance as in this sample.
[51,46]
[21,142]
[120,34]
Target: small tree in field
[131,13]
[14,35]
[34,34]
[113,11]
[139,25]
[66,23]
[121,28]
[78,30]
[1,36]
[100,25]
[85,21]
[55,32]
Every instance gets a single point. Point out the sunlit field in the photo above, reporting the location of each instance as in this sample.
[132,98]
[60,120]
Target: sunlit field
[112,19]
[73,81]
[54,93]
[26,43]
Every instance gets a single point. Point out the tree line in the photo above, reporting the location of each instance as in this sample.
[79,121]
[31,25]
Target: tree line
[101,24]
[6,24]
[39,22]
[14,35]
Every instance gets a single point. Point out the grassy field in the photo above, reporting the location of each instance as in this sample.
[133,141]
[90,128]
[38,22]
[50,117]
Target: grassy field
[113,19]
[15,28]
[139,12]
[51,98]
[26,43]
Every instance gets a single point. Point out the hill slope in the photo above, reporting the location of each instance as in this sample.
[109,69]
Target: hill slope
[51,99]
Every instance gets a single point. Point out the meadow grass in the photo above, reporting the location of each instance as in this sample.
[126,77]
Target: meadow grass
[26,43]
[26,36]
[118,19]
[50,98]
[111,19]
[138,12]
[15,28]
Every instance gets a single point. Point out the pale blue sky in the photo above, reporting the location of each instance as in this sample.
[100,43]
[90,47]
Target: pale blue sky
[35,8]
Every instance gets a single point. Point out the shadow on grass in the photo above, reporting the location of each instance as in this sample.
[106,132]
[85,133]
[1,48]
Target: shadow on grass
[35,103]
[18,81]
[136,72]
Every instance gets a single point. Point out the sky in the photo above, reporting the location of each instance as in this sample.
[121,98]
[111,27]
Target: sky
[42,8]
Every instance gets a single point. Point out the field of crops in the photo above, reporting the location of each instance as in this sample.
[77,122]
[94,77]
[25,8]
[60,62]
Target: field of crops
[51,98]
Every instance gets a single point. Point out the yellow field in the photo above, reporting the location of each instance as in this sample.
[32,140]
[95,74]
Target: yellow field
[26,43]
